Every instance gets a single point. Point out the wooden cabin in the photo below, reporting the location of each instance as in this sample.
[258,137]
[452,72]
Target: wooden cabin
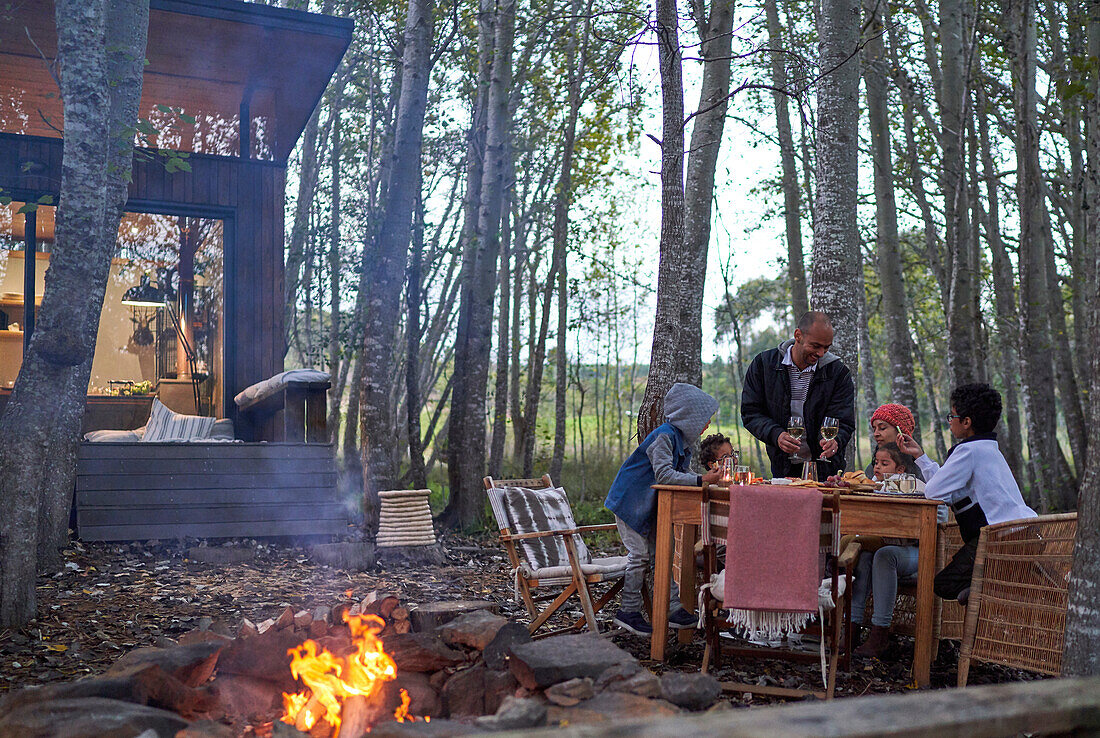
[228,86]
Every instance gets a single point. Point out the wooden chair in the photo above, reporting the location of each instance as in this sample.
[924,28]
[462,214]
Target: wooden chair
[834,632]
[1016,613]
[564,579]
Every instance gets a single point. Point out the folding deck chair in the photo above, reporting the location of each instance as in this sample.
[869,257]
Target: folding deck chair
[546,552]
[834,630]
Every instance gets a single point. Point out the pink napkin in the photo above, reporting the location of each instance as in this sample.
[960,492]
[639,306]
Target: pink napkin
[772,549]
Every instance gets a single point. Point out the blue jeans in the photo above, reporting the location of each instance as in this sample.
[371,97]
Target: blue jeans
[880,574]
[639,557]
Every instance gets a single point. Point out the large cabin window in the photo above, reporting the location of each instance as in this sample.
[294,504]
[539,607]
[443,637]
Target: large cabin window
[161,330]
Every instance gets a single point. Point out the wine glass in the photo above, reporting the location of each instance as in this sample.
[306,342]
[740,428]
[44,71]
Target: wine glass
[796,428]
[907,484]
[830,427]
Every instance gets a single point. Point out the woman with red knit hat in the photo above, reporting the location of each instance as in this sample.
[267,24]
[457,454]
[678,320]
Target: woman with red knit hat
[885,422]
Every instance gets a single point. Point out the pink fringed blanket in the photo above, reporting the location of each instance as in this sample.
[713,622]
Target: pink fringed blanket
[772,562]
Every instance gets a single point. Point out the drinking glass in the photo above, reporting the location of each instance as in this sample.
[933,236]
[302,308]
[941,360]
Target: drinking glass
[796,428]
[727,470]
[742,475]
[829,429]
[907,484]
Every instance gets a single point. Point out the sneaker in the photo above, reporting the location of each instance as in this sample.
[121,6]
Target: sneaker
[682,620]
[635,622]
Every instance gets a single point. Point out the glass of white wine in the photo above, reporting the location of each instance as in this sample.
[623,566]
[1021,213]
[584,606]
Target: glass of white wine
[796,428]
[907,484]
[829,429]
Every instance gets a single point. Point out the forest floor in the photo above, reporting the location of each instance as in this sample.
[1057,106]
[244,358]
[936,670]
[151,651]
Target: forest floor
[111,598]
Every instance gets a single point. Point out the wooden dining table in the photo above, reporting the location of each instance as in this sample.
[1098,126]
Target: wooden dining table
[894,517]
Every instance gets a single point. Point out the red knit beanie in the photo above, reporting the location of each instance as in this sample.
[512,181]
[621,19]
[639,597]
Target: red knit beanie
[898,415]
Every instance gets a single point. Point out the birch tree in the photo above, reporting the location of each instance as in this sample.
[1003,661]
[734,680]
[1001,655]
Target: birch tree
[836,238]
[384,305]
[100,89]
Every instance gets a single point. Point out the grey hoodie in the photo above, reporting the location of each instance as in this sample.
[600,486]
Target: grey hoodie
[689,409]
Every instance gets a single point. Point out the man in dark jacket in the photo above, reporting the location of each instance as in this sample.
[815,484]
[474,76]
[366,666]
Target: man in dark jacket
[800,378]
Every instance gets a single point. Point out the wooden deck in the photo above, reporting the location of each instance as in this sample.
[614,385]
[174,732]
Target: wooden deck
[138,491]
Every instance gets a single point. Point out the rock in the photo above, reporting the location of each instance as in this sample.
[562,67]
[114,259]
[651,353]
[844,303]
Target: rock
[424,699]
[192,664]
[430,615]
[318,629]
[610,707]
[220,555]
[515,713]
[691,691]
[279,729]
[474,629]
[241,697]
[354,556]
[571,692]
[263,656]
[720,706]
[630,677]
[464,692]
[421,652]
[143,684]
[206,729]
[89,717]
[434,729]
[498,686]
[247,629]
[496,652]
[541,663]
[321,613]
[303,619]
[285,619]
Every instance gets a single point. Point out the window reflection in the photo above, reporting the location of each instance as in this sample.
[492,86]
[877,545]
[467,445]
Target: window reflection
[143,346]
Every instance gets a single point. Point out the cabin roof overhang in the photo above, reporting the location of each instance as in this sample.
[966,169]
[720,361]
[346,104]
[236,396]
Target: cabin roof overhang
[213,59]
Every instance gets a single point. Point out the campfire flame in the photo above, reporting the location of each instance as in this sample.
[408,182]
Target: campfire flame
[330,679]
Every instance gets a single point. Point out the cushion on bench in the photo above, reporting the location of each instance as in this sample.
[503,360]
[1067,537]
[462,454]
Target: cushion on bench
[261,390]
[168,425]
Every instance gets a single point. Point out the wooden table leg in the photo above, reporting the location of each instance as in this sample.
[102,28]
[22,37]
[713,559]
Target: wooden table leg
[926,571]
[687,578]
[662,575]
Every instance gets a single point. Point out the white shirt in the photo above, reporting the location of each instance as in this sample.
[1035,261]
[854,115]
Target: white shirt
[800,387]
[978,470]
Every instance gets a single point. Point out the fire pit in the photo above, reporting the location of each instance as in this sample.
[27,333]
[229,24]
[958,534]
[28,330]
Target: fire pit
[346,692]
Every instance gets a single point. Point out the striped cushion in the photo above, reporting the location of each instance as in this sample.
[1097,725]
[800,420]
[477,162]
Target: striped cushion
[167,425]
[536,510]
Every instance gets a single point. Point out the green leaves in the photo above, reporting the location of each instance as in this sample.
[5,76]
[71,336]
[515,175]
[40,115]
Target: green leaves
[31,207]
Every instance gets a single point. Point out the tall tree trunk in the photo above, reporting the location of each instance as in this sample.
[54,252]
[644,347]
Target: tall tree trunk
[336,391]
[126,30]
[961,320]
[500,393]
[708,125]
[895,316]
[836,238]
[1083,616]
[383,310]
[1048,469]
[1004,297]
[95,168]
[676,278]
[792,205]
[563,198]
[466,433]
[413,337]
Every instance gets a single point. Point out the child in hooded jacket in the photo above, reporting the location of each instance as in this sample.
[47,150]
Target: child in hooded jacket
[664,457]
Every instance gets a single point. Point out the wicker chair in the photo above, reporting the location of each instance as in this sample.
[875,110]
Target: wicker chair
[1016,614]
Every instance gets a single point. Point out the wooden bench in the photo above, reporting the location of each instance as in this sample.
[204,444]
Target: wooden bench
[135,491]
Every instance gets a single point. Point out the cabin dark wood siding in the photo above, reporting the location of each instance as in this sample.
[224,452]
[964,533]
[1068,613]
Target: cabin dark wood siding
[249,195]
[138,491]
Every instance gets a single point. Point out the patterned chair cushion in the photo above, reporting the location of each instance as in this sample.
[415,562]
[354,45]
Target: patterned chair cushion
[167,425]
[537,510]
